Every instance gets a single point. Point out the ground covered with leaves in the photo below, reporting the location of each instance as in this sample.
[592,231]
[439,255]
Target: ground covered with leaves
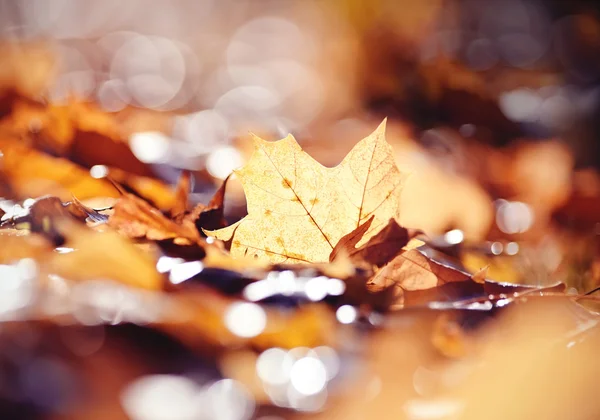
[390,283]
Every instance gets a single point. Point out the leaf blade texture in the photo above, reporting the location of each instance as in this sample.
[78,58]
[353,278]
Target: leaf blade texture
[298,209]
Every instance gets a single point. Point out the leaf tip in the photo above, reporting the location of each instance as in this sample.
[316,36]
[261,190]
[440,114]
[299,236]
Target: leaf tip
[382,127]
[257,141]
[480,276]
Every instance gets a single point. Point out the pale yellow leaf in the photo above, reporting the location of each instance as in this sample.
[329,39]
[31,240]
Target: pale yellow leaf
[299,209]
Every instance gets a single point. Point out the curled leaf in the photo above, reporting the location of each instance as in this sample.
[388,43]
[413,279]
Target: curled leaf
[210,216]
[136,218]
[379,250]
[412,270]
[150,189]
[181,196]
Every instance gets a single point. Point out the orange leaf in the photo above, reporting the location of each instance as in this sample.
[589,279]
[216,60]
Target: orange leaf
[31,173]
[103,255]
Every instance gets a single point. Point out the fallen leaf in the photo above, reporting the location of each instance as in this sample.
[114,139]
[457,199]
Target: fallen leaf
[40,218]
[483,292]
[18,244]
[79,130]
[82,212]
[103,255]
[298,209]
[498,288]
[150,189]
[181,196]
[210,216]
[56,126]
[412,270]
[446,293]
[31,173]
[27,68]
[380,249]
[136,218]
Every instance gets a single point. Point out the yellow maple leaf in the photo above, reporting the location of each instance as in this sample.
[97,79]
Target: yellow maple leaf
[299,209]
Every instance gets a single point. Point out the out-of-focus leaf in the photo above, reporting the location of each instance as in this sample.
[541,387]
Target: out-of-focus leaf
[28,68]
[57,125]
[18,244]
[499,268]
[82,132]
[201,315]
[152,190]
[31,173]
[42,215]
[310,326]
[103,255]
[40,218]
[448,337]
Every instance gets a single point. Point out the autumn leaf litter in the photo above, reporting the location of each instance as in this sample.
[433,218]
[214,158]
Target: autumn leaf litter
[325,243]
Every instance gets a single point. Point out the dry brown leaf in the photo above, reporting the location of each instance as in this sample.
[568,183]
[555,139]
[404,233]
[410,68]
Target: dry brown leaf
[380,249]
[136,218]
[412,270]
[85,213]
[42,215]
[181,196]
[210,216]
[298,209]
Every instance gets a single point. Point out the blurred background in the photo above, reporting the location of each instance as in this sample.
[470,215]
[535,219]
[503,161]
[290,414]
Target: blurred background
[492,69]
[459,80]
